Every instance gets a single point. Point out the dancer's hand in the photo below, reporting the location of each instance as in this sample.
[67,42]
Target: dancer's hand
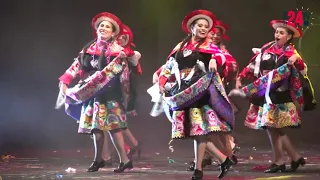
[212,65]
[162,90]
[293,59]
[256,50]
[63,87]
[122,54]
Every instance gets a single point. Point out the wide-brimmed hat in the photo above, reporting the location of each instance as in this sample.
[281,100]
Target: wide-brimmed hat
[297,32]
[105,16]
[127,31]
[198,14]
[224,27]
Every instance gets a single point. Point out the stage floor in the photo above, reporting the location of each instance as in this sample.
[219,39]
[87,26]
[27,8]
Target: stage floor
[151,166]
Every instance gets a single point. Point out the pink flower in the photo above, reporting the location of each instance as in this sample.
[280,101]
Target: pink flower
[101,122]
[296,84]
[197,130]
[180,117]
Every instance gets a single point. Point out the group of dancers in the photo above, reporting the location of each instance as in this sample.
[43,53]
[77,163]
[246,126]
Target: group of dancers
[193,88]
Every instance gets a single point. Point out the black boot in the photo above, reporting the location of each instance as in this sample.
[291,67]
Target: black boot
[274,168]
[234,159]
[224,168]
[108,163]
[191,166]
[236,149]
[296,164]
[197,175]
[134,150]
[123,166]
[95,166]
[205,162]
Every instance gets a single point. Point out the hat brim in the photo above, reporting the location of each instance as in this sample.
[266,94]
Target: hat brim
[224,30]
[127,31]
[105,16]
[198,14]
[113,22]
[296,31]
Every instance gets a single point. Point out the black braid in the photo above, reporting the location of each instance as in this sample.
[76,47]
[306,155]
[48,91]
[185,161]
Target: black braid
[221,35]
[197,47]
[179,53]
[102,58]
[85,48]
[219,44]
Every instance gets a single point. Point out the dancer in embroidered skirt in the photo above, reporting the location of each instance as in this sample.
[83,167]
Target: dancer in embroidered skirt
[129,95]
[197,104]
[97,101]
[228,73]
[279,73]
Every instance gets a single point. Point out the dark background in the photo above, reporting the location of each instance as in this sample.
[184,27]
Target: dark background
[40,38]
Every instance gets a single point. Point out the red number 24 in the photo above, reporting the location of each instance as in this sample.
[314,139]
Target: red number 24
[298,19]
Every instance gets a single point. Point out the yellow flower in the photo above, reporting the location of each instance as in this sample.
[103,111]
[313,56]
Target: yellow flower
[276,78]
[166,72]
[252,91]
[196,114]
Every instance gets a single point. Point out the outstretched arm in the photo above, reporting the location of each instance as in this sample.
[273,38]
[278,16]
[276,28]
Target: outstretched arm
[72,72]
[298,62]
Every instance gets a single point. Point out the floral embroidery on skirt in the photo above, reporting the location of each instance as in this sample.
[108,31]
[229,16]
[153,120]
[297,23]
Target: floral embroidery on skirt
[103,116]
[201,121]
[273,115]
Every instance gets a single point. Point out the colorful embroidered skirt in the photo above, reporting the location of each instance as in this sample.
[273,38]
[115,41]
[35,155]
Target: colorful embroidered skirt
[201,108]
[94,105]
[282,112]
[272,115]
[103,116]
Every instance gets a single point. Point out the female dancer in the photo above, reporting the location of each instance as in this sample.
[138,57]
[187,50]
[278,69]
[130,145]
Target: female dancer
[276,65]
[125,40]
[100,63]
[194,98]
[227,73]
